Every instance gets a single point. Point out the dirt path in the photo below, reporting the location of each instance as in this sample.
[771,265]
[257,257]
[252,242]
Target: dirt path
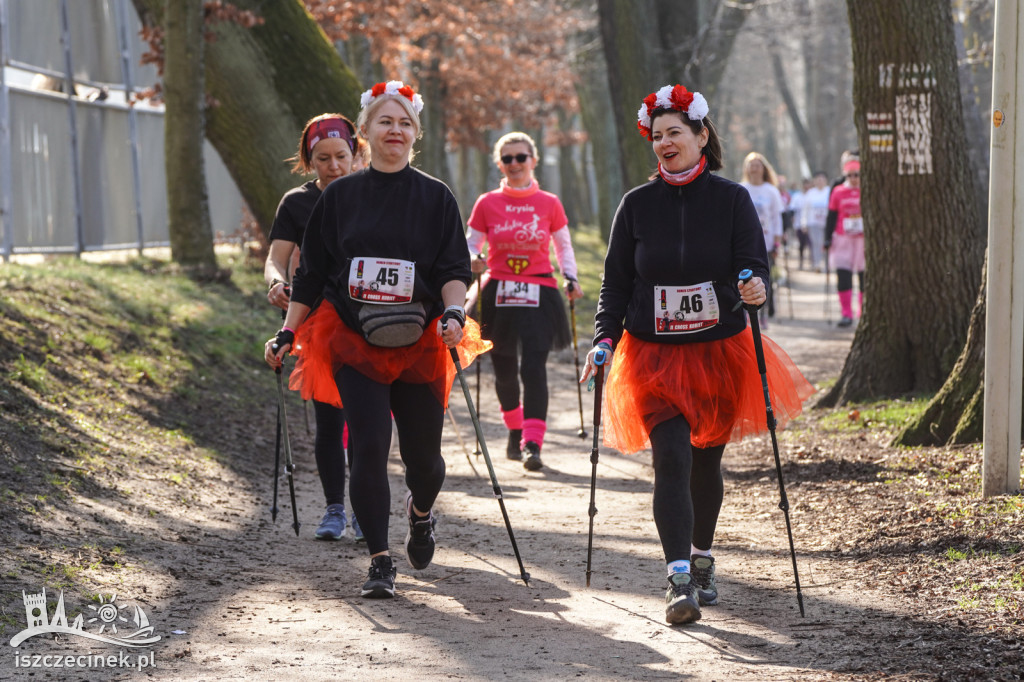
[256,603]
[237,597]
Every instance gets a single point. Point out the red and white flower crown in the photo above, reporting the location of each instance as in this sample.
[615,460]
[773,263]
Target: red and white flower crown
[675,97]
[391,89]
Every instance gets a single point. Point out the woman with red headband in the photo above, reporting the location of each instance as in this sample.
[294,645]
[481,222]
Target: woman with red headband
[327,147]
[684,378]
[844,239]
[522,311]
[385,248]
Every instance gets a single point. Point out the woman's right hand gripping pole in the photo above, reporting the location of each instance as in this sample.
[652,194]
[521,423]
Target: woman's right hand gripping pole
[593,359]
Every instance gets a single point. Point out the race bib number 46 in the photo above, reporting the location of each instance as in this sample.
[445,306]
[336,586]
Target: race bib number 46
[517,294]
[381,280]
[685,310]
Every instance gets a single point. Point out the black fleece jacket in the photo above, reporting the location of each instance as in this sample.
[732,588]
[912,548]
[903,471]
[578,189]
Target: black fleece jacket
[671,235]
[407,215]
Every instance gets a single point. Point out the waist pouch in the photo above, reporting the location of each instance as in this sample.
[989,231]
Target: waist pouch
[392,326]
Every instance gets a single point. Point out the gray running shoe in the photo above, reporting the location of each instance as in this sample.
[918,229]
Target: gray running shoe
[419,541]
[702,568]
[380,583]
[681,599]
[532,451]
[332,525]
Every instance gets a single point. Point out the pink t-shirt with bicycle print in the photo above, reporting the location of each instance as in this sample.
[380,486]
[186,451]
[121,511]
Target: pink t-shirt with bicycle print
[519,234]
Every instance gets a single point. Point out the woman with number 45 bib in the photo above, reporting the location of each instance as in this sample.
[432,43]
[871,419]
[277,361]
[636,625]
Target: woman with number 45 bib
[522,309]
[684,378]
[386,249]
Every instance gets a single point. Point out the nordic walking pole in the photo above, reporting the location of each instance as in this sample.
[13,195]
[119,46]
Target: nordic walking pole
[582,433]
[289,466]
[479,318]
[599,358]
[277,465]
[828,299]
[755,328]
[487,459]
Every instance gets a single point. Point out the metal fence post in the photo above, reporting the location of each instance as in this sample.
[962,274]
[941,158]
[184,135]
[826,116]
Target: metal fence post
[6,191]
[69,76]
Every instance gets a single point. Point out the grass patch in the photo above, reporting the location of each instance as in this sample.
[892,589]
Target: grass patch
[884,414]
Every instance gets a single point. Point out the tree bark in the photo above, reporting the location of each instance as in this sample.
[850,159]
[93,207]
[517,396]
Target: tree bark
[597,114]
[629,36]
[187,203]
[956,414]
[924,235]
[267,82]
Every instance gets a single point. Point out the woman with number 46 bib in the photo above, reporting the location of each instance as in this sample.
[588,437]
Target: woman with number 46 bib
[522,309]
[684,378]
[386,249]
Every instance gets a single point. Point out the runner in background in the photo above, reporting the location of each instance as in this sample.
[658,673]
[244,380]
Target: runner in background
[523,313]
[383,348]
[326,147]
[844,238]
[760,181]
[813,215]
[686,386]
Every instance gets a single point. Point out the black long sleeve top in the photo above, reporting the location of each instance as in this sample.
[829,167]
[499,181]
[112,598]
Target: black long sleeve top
[675,235]
[407,215]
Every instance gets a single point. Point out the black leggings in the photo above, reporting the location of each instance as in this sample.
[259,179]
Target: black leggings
[844,280]
[688,489]
[330,455]
[534,373]
[419,417]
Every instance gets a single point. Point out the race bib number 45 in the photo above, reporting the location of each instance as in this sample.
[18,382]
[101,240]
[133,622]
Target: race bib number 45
[517,294]
[381,280]
[686,309]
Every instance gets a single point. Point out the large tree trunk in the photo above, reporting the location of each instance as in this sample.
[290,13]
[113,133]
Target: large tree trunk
[956,414]
[924,234]
[598,117]
[187,202]
[632,54]
[267,82]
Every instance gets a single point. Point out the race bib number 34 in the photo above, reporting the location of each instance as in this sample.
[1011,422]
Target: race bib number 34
[381,280]
[686,309]
[517,295]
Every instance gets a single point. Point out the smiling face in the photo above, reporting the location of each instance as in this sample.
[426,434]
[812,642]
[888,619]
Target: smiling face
[517,173]
[390,131]
[678,148]
[331,159]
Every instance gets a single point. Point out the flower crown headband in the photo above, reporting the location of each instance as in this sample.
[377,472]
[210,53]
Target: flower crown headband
[391,89]
[675,97]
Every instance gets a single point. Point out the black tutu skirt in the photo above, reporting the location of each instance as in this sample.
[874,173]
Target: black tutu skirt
[543,328]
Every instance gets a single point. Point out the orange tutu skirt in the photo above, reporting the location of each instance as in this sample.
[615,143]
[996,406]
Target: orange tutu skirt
[324,344]
[715,385]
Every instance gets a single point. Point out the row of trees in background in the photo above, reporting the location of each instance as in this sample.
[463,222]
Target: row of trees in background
[779,78]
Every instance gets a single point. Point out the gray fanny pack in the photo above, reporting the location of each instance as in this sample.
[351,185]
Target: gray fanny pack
[392,326]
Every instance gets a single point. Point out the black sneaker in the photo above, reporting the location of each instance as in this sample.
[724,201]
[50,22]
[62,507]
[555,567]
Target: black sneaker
[702,569]
[532,451]
[681,599]
[380,583]
[512,450]
[419,541]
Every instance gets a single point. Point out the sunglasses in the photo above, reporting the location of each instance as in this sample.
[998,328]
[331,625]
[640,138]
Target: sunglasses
[518,158]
